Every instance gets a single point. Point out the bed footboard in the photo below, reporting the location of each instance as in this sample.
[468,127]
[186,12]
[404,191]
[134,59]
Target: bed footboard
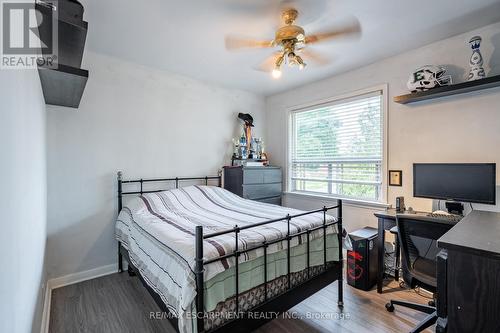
[293,295]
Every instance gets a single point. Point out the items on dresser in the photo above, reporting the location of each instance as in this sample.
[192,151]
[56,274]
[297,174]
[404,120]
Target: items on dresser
[246,162]
[262,184]
[247,146]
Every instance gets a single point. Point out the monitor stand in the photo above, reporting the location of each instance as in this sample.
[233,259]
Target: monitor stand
[455,207]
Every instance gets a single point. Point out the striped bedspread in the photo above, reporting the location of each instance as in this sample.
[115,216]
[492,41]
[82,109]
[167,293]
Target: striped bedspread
[158,231]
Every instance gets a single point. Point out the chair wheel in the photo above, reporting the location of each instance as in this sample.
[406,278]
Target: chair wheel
[389,307]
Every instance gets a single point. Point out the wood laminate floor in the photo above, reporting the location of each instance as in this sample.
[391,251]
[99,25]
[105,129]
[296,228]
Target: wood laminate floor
[119,303]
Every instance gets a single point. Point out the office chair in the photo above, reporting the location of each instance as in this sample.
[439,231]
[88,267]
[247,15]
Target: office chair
[394,231]
[417,237]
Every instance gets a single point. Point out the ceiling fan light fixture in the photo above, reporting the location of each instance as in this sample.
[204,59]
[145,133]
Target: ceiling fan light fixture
[291,39]
[276,73]
[280,60]
[300,62]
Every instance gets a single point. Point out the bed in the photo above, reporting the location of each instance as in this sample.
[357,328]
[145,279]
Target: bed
[215,262]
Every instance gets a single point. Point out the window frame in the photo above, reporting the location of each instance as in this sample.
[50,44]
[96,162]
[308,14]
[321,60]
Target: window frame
[383,89]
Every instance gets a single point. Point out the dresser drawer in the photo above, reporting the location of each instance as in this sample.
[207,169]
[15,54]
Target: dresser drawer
[261,175]
[259,191]
[272,176]
[273,200]
[253,176]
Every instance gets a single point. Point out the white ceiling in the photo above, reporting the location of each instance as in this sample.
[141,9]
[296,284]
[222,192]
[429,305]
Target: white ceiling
[187,37]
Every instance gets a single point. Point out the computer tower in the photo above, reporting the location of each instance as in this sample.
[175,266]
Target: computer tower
[362,259]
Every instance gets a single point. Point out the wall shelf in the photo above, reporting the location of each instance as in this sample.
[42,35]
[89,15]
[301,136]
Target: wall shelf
[455,89]
[63,86]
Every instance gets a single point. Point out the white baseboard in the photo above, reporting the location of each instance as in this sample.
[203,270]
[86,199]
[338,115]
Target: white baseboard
[66,281]
[46,308]
[83,276]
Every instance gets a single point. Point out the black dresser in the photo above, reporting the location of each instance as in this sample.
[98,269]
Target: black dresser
[256,183]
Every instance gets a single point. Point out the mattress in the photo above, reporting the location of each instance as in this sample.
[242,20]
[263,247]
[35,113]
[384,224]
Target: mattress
[157,229]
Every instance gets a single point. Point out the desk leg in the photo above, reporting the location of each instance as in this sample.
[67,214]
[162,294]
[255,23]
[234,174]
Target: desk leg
[396,257]
[381,253]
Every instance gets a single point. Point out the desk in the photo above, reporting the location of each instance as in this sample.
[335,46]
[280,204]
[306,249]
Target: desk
[468,272]
[386,220]
[468,269]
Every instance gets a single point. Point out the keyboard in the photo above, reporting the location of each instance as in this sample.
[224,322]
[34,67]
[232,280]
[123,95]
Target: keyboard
[446,217]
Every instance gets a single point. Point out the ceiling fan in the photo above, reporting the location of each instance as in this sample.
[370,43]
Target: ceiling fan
[292,40]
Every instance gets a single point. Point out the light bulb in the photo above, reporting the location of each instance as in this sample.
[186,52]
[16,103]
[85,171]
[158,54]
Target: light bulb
[300,62]
[276,73]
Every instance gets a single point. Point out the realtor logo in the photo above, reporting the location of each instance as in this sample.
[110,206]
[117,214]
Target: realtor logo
[29,34]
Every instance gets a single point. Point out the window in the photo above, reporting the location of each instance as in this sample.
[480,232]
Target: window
[337,148]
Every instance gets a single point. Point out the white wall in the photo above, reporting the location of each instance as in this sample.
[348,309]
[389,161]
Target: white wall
[142,121]
[455,129]
[22,200]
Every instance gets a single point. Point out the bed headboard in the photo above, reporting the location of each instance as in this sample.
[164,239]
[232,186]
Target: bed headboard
[122,183]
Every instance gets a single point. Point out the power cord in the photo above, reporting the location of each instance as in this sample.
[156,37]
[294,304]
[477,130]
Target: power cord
[417,290]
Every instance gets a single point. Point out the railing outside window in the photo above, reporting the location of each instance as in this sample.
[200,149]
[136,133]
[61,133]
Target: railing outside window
[336,148]
[358,179]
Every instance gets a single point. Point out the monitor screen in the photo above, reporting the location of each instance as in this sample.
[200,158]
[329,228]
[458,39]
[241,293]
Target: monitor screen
[469,182]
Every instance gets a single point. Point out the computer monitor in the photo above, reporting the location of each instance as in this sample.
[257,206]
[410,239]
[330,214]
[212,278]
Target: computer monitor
[464,182]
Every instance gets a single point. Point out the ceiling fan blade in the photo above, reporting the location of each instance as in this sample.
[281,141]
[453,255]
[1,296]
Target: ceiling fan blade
[351,28]
[269,63]
[236,43]
[314,57]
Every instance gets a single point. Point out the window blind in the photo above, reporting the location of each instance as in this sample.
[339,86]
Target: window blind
[337,148]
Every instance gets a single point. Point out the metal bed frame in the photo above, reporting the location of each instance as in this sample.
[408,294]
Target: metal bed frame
[278,304]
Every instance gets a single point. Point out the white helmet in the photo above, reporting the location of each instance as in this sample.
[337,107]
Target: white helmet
[428,77]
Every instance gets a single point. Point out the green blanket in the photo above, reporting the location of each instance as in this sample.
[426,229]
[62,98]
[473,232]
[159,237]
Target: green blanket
[251,273]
